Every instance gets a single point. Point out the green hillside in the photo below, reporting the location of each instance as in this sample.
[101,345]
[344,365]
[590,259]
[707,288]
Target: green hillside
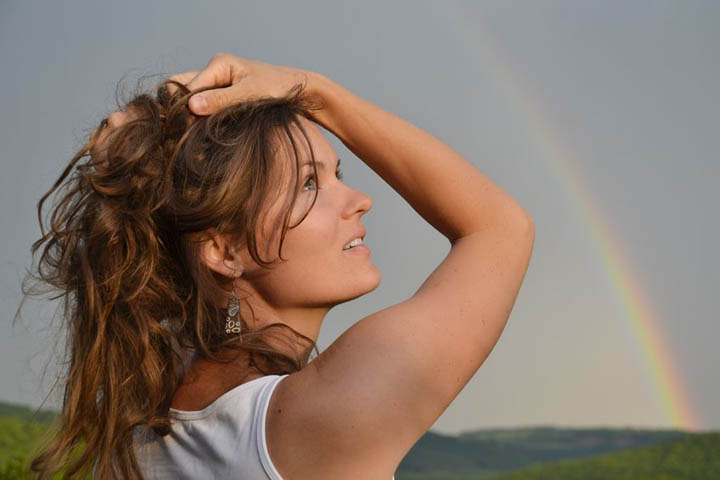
[22,412]
[16,437]
[497,450]
[21,428]
[498,454]
[695,457]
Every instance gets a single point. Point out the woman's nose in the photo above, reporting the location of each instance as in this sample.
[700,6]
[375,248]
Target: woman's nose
[359,202]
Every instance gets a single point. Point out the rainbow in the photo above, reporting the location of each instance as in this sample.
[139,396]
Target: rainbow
[666,381]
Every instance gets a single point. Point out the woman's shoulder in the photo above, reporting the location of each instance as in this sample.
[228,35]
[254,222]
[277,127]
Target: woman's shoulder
[200,399]
[204,382]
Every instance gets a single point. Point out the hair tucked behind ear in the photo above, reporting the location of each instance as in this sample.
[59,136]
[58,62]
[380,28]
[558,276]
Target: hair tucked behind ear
[121,248]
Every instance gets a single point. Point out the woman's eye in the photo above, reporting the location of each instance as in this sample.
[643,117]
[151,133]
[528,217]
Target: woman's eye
[338,174]
[307,182]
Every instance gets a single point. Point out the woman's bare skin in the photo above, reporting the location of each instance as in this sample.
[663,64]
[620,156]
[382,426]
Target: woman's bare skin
[204,381]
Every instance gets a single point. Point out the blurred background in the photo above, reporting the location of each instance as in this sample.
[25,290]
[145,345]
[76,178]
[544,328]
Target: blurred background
[600,118]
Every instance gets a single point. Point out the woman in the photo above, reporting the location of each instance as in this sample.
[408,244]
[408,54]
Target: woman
[217,222]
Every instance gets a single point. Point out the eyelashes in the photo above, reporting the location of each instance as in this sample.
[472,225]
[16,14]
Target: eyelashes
[338,174]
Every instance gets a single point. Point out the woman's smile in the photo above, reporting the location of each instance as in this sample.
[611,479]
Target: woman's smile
[358,249]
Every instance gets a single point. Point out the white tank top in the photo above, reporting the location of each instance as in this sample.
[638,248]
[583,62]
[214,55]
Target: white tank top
[225,440]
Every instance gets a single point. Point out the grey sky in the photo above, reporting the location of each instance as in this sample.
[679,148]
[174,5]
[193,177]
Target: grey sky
[628,89]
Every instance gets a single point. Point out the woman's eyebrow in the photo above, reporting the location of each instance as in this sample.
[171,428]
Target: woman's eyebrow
[321,165]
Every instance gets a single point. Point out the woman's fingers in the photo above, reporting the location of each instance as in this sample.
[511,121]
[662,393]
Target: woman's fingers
[211,101]
[183,78]
[223,70]
[228,79]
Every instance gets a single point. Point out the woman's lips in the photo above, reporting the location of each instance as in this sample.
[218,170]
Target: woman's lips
[358,249]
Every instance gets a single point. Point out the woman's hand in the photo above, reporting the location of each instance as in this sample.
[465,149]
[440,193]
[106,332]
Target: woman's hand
[227,79]
[233,79]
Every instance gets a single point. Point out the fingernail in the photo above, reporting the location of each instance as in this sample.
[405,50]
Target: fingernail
[199,103]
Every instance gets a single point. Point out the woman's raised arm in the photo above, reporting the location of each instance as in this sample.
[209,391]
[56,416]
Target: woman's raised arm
[366,400]
[443,187]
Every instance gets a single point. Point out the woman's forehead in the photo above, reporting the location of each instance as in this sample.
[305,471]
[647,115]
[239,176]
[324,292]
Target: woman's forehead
[304,140]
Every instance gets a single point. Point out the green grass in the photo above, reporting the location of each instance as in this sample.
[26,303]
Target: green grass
[21,430]
[17,437]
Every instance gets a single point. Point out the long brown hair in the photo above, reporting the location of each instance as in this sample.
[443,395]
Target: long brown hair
[121,248]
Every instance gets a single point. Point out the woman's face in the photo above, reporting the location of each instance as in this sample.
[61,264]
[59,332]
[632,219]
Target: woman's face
[317,272]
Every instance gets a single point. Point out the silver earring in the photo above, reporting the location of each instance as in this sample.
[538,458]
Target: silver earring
[232,325]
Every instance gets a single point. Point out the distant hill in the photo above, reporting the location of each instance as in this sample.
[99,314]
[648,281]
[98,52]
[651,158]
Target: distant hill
[695,457]
[497,450]
[23,412]
[505,454]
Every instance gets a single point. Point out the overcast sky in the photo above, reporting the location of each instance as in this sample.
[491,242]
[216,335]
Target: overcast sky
[623,94]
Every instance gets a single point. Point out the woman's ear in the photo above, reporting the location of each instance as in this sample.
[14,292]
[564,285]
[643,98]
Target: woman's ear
[220,256]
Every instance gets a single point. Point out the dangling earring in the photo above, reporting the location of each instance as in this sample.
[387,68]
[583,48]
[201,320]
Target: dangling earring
[231,325]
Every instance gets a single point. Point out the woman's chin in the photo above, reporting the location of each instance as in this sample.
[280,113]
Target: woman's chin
[370,282]
[373,280]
